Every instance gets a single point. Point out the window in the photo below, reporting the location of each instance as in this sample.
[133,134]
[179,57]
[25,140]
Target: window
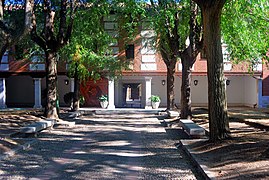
[129,52]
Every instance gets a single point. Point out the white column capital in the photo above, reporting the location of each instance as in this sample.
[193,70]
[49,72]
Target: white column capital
[37,80]
[148,78]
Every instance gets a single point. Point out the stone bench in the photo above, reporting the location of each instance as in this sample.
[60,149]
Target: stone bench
[191,128]
[37,126]
[173,114]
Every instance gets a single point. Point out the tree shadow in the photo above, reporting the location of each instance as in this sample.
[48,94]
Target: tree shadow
[101,148]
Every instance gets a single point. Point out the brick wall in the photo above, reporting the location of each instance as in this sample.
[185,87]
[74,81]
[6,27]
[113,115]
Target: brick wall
[265,82]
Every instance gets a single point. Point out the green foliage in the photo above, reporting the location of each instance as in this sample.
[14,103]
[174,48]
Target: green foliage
[155,98]
[103,98]
[14,17]
[92,43]
[130,15]
[245,27]
[81,100]
[168,16]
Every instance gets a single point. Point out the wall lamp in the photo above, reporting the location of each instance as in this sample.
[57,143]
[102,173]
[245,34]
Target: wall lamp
[195,82]
[163,82]
[228,82]
[66,82]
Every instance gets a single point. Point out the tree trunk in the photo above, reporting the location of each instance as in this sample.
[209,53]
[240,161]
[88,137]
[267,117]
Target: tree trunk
[218,118]
[76,90]
[186,88]
[51,83]
[171,86]
[188,58]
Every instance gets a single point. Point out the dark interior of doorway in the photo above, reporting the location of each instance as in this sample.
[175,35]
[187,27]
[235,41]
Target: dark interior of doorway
[132,95]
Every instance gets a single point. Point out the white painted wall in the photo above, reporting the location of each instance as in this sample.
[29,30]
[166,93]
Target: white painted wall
[251,91]
[242,90]
[236,91]
[63,88]
[160,90]
[199,95]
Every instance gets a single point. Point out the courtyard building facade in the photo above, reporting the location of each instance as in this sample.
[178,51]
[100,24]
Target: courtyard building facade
[22,82]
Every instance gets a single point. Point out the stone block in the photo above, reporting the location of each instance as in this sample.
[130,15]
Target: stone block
[37,126]
[191,128]
[173,114]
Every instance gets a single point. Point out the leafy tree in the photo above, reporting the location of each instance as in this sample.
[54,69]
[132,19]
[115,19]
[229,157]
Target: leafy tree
[218,117]
[169,21]
[89,50]
[51,35]
[188,57]
[245,30]
[245,27]
[15,22]
[175,24]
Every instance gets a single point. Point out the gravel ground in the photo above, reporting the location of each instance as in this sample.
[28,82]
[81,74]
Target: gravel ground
[133,146]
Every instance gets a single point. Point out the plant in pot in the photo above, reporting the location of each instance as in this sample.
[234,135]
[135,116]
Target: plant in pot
[103,101]
[155,101]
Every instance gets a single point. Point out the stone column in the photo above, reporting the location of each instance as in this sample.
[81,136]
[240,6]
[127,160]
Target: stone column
[37,84]
[72,84]
[3,93]
[148,92]
[111,84]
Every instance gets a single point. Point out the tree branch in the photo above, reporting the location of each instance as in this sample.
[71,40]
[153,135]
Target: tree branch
[73,8]
[49,22]
[62,27]
[35,37]
[4,27]
[20,32]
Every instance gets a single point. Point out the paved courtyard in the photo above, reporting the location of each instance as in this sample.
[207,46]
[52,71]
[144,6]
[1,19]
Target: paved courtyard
[118,146]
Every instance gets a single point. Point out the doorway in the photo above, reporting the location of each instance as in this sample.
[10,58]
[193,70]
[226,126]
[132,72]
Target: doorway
[131,95]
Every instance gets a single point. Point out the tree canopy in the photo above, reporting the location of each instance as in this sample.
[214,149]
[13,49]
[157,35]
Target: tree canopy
[93,44]
[245,26]
[15,22]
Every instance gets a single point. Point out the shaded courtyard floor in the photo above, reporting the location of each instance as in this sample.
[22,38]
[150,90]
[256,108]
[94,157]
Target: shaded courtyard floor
[11,120]
[244,156]
[115,145]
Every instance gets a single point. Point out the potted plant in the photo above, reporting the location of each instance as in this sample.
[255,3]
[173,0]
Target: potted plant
[155,101]
[103,101]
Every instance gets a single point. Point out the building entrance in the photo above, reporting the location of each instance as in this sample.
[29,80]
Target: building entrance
[131,95]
